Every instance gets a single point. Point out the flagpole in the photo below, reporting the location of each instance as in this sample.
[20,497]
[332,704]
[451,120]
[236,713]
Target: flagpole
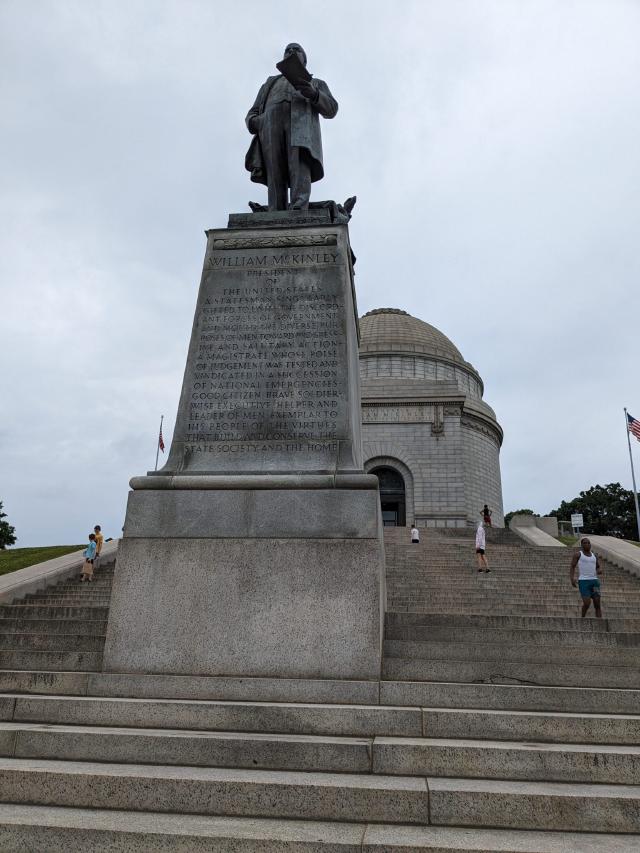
[160,433]
[633,474]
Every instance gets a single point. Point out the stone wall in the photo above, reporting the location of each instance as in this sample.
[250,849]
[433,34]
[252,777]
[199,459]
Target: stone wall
[421,367]
[482,471]
[435,463]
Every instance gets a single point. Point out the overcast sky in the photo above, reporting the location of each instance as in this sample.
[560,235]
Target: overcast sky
[495,151]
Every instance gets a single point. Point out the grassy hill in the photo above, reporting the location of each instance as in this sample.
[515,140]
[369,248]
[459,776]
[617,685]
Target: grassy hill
[20,558]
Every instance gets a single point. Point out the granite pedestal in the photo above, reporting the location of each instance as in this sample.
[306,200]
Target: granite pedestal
[257,549]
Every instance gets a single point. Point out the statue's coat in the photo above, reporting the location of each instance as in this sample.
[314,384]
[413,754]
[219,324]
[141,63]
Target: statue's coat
[305,127]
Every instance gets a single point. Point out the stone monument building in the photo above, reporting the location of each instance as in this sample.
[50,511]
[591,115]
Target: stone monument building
[428,435]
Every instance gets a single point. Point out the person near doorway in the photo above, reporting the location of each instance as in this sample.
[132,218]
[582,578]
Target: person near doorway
[587,566]
[89,556]
[486,515]
[415,534]
[481,547]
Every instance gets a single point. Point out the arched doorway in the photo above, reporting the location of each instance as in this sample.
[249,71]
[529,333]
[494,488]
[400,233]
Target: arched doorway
[392,497]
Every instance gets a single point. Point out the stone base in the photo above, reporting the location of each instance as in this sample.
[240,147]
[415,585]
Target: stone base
[293,588]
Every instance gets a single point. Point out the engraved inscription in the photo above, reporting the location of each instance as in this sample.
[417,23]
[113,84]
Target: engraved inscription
[269,260]
[391,414]
[269,356]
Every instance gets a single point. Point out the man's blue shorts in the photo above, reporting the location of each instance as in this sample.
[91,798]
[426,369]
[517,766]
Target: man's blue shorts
[589,588]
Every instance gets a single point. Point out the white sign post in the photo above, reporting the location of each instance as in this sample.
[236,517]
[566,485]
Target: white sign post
[577,521]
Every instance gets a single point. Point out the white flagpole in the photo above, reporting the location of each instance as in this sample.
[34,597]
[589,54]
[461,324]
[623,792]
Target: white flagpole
[633,474]
[160,433]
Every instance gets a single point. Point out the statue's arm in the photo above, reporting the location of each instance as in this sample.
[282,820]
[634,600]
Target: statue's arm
[325,103]
[254,112]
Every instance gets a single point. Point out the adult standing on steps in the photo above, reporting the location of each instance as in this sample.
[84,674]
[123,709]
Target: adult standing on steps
[486,515]
[99,543]
[481,545]
[589,573]
[415,535]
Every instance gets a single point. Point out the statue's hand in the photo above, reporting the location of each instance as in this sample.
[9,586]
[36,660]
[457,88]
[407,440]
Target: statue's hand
[254,124]
[310,92]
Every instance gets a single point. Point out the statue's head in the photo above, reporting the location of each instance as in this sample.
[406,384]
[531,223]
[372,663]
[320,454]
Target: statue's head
[294,47]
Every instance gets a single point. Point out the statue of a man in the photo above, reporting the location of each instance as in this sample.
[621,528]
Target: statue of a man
[286,150]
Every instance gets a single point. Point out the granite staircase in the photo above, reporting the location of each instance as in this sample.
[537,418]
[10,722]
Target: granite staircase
[60,628]
[495,726]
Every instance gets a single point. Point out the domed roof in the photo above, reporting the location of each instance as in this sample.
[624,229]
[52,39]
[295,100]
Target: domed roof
[390,330]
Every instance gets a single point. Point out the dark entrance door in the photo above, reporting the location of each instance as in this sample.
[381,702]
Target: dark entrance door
[392,498]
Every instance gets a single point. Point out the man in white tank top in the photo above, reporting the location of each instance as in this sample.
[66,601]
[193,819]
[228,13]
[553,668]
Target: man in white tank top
[587,566]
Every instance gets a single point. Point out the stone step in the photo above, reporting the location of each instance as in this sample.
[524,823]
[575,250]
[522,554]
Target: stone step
[215,791]
[486,759]
[534,805]
[56,661]
[225,688]
[316,796]
[79,627]
[70,602]
[275,717]
[510,697]
[410,694]
[26,611]
[43,682]
[75,587]
[488,610]
[588,640]
[349,720]
[482,583]
[532,726]
[251,750]
[106,831]
[493,651]
[52,642]
[569,674]
[494,583]
[483,759]
[479,620]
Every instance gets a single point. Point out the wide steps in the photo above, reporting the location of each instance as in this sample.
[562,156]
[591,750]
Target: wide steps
[216,791]
[569,674]
[106,831]
[338,720]
[51,642]
[583,640]
[451,801]
[53,626]
[484,759]
[515,651]
[57,661]
[510,621]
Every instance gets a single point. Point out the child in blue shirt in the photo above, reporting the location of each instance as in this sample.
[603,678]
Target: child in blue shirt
[89,556]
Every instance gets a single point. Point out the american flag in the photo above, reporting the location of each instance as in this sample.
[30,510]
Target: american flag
[161,440]
[634,426]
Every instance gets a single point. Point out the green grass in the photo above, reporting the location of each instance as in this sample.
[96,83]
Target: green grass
[20,558]
[568,540]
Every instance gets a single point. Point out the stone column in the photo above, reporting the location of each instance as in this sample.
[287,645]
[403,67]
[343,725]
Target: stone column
[257,549]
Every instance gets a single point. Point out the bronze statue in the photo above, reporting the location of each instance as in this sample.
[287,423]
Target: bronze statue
[286,149]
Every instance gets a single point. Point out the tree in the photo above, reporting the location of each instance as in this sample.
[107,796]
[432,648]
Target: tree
[510,515]
[607,510]
[6,531]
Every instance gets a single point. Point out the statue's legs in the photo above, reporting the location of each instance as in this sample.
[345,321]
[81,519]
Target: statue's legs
[286,165]
[299,178]
[274,132]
